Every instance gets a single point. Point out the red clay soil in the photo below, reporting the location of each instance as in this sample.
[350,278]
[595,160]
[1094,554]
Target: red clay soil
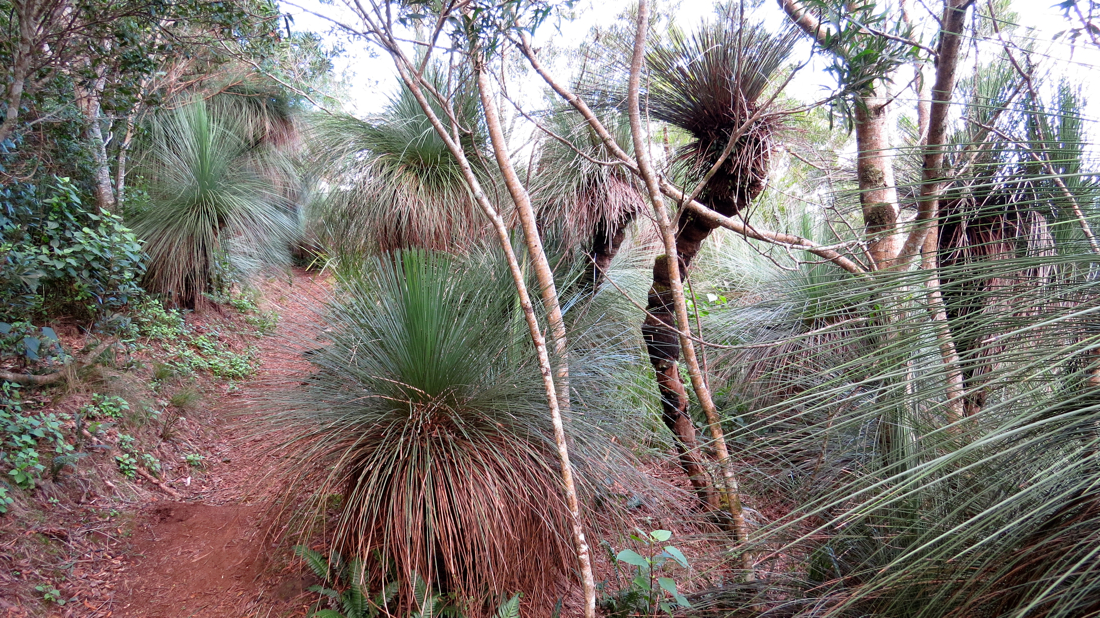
[208,557]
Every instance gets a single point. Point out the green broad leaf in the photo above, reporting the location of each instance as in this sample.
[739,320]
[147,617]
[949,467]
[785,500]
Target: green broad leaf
[668,585]
[31,346]
[676,555]
[661,535]
[632,557]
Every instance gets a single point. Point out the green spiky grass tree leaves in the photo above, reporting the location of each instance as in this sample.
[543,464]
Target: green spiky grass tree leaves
[894,511]
[211,188]
[425,412]
[392,183]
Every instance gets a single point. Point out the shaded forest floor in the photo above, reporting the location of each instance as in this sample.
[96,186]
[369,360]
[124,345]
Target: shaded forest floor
[198,542]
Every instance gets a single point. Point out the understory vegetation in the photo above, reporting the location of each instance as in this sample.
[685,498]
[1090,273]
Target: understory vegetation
[620,325]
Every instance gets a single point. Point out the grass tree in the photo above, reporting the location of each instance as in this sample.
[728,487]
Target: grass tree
[427,418]
[393,183]
[210,186]
[589,200]
[992,515]
[711,84]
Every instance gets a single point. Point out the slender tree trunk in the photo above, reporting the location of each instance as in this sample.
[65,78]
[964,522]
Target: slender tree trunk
[878,195]
[543,273]
[956,403]
[933,173]
[88,102]
[121,165]
[30,14]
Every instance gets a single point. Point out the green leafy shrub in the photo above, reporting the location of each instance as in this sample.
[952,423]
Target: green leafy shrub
[105,406]
[5,500]
[65,260]
[30,344]
[194,460]
[50,594]
[648,592]
[154,321]
[151,463]
[127,464]
[22,433]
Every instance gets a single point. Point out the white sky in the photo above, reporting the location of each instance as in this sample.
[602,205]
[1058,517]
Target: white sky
[372,78]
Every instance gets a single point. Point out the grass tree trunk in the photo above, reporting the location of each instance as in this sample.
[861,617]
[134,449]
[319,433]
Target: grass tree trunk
[607,239]
[691,233]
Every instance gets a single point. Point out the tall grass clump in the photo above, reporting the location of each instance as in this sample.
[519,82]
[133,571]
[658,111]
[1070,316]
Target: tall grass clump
[211,187]
[424,412]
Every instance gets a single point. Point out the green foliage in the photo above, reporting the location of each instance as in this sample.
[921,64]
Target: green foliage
[345,587]
[156,322]
[30,344]
[63,259]
[264,323]
[5,499]
[50,594]
[201,353]
[105,406]
[151,463]
[22,434]
[648,592]
[127,464]
[188,352]
[195,460]
[126,443]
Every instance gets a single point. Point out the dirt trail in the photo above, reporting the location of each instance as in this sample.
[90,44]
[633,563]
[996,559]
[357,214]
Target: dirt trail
[203,555]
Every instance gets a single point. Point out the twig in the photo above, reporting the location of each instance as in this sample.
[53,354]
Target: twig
[154,480]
